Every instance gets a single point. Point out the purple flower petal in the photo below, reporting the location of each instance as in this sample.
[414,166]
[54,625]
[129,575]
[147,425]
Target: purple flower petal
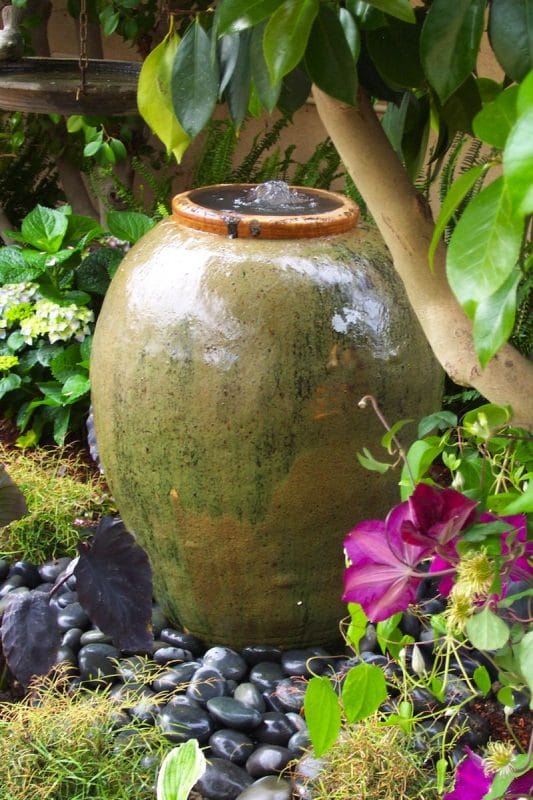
[437,515]
[471,782]
[380,576]
[522,786]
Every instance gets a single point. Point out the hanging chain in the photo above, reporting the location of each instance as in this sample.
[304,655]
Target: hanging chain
[83,60]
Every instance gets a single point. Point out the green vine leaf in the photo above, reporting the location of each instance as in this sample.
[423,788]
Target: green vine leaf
[322,714]
[363,691]
[487,631]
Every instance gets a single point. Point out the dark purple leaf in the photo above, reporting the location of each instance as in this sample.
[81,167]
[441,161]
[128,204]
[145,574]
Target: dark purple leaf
[114,585]
[30,635]
[12,502]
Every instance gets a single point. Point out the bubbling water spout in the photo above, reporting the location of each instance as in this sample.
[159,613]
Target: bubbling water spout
[275,196]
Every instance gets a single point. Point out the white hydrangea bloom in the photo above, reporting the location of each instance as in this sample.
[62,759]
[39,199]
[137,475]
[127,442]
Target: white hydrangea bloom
[59,323]
[12,295]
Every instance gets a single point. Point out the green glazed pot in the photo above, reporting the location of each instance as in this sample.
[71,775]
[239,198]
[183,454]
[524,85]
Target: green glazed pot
[226,377]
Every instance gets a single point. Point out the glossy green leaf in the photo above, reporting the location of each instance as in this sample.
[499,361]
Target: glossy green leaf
[154,97]
[396,8]
[460,109]
[294,92]
[511,35]
[440,420]
[44,228]
[228,55]
[518,163]
[328,57]
[237,15]
[456,194]
[482,421]
[449,43]
[363,691]
[179,771]
[267,91]
[194,82]
[351,32]
[394,50]
[495,120]
[322,714]
[484,247]
[524,100]
[286,36]
[487,631]
[238,89]
[494,319]
[420,457]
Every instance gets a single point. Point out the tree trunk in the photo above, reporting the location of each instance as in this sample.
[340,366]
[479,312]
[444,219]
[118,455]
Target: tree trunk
[406,224]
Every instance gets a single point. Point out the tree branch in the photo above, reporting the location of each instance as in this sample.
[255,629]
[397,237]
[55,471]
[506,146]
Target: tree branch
[406,224]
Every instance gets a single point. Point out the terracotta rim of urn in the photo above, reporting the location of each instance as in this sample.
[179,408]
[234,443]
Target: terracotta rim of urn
[191,209]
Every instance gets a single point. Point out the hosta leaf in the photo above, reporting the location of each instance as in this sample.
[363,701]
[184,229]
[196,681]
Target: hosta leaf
[363,691]
[194,80]
[179,771]
[237,15]
[12,502]
[511,35]
[114,585]
[518,164]
[30,635]
[44,228]
[154,97]
[322,714]
[484,246]
[267,91]
[449,43]
[286,36]
[328,57]
[129,226]
[494,319]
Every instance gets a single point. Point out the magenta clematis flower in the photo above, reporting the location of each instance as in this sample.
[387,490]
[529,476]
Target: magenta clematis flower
[473,783]
[437,516]
[520,567]
[381,576]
